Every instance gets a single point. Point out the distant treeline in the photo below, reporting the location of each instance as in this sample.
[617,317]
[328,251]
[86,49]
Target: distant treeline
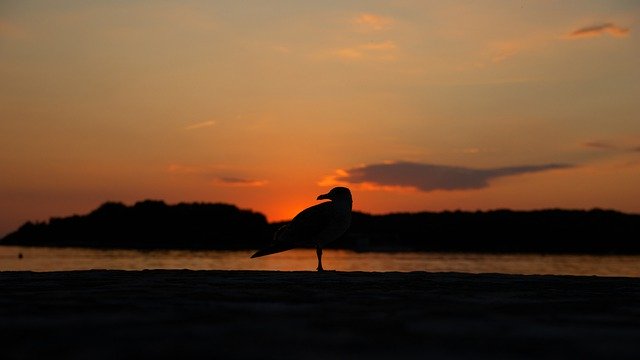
[150,224]
[156,225]
[499,231]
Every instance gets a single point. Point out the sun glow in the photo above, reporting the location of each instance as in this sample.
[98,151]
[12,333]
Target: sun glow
[234,102]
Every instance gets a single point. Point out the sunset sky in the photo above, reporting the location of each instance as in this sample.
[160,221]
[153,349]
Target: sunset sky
[414,105]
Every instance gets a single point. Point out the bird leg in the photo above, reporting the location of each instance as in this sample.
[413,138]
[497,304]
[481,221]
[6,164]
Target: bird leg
[319,253]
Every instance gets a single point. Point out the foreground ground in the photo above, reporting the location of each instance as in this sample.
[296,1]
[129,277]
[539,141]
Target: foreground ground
[287,315]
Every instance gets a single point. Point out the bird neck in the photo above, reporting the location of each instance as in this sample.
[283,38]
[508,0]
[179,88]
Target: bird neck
[346,203]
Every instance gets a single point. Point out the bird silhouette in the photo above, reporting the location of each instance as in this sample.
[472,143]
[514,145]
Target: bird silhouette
[315,226]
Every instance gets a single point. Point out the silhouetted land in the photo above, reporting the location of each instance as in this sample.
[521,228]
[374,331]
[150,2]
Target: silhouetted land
[154,224]
[150,224]
[305,315]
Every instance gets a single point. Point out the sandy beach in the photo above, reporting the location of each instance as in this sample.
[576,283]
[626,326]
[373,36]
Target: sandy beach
[258,314]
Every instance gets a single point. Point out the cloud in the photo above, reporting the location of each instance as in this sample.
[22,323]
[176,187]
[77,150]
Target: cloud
[429,177]
[377,51]
[367,22]
[504,50]
[599,145]
[234,181]
[216,175]
[200,125]
[622,146]
[599,30]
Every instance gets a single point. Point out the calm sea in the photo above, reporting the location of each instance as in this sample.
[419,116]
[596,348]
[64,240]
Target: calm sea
[14,258]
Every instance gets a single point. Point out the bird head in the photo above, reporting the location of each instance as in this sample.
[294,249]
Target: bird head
[337,194]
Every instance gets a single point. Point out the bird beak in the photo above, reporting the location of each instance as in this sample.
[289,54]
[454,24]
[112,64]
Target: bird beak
[323,196]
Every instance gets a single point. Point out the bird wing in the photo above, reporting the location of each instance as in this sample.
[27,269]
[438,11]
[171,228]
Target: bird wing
[302,230]
[307,225]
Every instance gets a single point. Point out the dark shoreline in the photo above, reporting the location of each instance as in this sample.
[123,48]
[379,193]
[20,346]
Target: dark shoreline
[247,314]
[153,224]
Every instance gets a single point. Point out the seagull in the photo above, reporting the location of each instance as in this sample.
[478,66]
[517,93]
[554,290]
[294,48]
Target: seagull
[316,226]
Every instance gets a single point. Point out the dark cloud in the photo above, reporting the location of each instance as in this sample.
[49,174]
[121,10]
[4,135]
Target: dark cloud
[599,145]
[599,29]
[429,177]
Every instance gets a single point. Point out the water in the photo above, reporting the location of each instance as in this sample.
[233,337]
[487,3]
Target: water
[63,259]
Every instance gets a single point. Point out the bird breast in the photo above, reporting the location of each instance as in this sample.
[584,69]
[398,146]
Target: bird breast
[340,222]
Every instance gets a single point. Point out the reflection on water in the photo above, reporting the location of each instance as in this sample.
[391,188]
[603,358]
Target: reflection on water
[60,259]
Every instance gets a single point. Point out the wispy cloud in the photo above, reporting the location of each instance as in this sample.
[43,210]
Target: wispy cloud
[430,177]
[217,175]
[200,125]
[376,51]
[503,50]
[497,52]
[234,181]
[599,30]
[599,145]
[367,22]
[619,146]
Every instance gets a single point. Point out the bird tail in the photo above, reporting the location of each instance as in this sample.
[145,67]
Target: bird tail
[277,246]
[272,249]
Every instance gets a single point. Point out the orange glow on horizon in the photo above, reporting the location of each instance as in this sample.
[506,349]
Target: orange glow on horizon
[261,109]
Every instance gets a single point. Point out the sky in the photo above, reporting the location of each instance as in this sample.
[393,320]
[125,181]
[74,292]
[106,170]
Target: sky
[414,105]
